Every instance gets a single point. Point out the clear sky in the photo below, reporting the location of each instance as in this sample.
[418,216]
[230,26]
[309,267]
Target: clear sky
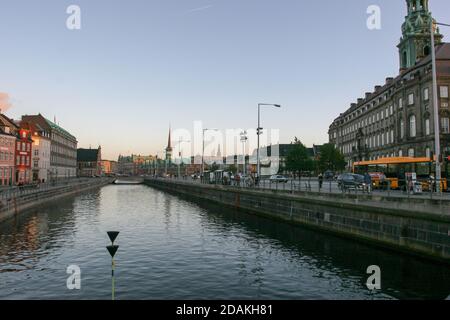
[137,65]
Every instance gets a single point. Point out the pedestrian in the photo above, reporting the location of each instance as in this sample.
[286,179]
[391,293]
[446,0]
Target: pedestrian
[368,182]
[320,181]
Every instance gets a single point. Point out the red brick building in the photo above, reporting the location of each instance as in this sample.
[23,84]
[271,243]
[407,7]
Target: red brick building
[23,157]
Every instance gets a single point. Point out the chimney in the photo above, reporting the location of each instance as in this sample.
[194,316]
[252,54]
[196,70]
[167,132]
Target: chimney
[368,94]
[353,105]
[360,101]
[377,88]
[389,80]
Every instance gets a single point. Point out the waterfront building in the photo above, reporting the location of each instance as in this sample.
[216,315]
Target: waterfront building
[23,156]
[8,138]
[63,147]
[109,167]
[397,118]
[89,162]
[40,151]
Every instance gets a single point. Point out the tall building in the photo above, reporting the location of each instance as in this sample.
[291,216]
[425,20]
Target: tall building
[397,118]
[63,147]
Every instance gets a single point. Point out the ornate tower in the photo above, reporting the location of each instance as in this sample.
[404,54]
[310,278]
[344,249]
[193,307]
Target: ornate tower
[415,42]
[169,147]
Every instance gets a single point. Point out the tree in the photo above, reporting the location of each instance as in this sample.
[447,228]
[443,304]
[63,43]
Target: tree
[331,158]
[232,168]
[298,160]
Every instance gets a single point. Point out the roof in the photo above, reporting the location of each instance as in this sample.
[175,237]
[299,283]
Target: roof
[60,130]
[87,155]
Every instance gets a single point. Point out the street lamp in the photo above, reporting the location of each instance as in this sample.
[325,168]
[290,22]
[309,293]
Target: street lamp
[258,133]
[437,139]
[180,140]
[203,149]
[244,139]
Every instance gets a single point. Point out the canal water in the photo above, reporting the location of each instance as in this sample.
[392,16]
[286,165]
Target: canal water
[174,248]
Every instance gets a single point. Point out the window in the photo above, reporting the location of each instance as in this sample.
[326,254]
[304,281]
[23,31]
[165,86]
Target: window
[427,127]
[402,129]
[445,125]
[411,152]
[444,91]
[400,153]
[428,153]
[391,109]
[392,136]
[35,163]
[426,94]
[412,126]
[410,99]
[400,102]
[18,146]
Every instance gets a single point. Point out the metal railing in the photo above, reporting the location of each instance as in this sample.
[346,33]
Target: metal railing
[423,189]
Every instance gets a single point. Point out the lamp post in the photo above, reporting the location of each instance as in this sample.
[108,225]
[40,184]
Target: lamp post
[258,133]
[203,150]
[244,139]
[180,140]
[437,139]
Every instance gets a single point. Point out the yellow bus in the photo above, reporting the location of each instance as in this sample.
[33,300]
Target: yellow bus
[393,171]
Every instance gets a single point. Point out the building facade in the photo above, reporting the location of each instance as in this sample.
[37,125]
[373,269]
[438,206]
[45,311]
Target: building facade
[40,152]
[23,157]
[8,138]
[109,167]
[63,147]
[89,162]
[397,118]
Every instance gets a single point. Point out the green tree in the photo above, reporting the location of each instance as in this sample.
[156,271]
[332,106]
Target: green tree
[331,158]
[232,168]
[298,160]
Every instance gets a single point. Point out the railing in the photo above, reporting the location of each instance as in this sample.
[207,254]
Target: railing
[403,188]
[10,197]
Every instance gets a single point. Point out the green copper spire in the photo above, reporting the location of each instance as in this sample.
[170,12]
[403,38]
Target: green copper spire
[415,42]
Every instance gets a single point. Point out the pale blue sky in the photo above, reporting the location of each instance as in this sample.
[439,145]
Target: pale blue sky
[137,65]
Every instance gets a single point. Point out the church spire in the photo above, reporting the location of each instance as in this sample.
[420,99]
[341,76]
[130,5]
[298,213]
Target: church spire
[415,42]
[169,146]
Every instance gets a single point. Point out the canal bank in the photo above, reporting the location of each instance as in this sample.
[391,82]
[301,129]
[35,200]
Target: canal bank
[13,202]
[420,227]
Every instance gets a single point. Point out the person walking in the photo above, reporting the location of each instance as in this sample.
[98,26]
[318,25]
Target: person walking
[320,181]
[368,182]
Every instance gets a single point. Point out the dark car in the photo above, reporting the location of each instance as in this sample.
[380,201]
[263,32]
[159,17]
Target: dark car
[328,175]
[350,181]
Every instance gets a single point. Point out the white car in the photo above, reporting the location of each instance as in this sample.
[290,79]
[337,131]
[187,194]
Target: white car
[278,178]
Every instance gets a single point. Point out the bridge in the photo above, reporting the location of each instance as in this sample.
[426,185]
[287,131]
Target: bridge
[128,180]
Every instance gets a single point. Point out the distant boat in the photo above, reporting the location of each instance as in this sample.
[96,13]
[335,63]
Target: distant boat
[127,182]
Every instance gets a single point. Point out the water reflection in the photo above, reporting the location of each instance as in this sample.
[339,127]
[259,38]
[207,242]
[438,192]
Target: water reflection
[174,248]
[403,276]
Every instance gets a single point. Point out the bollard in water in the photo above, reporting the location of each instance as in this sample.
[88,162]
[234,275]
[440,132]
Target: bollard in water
[112,249]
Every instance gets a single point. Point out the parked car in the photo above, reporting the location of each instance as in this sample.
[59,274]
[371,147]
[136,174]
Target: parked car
[278,178]
[328,175]
[350,181]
